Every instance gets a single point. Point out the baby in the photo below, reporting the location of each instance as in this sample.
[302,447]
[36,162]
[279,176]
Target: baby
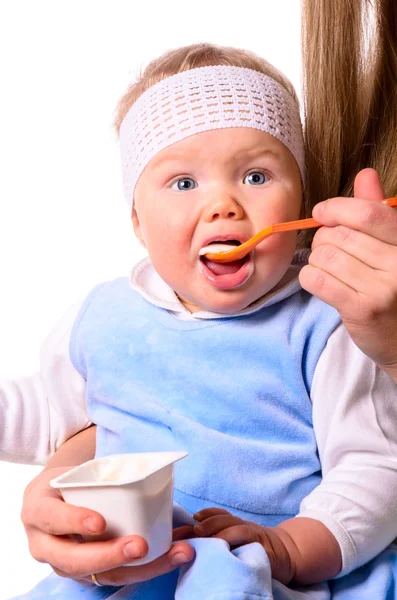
[291,471]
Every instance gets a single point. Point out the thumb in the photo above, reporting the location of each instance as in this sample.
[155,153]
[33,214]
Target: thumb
[367,185]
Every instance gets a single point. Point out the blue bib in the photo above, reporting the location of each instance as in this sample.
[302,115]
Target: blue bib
[233,392]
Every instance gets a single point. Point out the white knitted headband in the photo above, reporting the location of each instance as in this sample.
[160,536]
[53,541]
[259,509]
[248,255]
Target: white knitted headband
[202,99]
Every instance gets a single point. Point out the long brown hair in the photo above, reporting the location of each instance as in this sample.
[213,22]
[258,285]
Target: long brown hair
[349,50]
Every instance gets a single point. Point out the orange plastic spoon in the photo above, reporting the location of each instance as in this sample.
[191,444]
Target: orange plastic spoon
[240,251]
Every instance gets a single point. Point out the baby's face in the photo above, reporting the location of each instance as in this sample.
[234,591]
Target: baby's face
[224,184]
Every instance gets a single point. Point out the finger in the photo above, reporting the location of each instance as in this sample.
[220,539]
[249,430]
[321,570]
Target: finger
[374,218]
[181,553]
[209,512]
[365,248]
[367,184]
[239,535]
[79,559]
[52,515]
[348,269]
[348,302]
[331,290]
[213,525]
[183,532]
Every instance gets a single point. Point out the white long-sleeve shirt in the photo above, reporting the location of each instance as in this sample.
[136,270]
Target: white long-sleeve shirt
[354,418]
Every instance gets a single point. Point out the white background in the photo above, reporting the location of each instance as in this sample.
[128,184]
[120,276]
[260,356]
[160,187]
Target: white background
[64,225]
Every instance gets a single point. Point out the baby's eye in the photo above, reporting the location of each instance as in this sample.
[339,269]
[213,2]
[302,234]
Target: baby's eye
[256,178]
[184,184]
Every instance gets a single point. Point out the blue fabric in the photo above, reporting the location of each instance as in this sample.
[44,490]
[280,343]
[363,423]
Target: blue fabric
[243,574]
[377,580]
[234,393]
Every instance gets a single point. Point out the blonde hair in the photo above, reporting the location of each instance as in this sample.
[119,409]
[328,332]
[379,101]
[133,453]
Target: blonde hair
[192,57]
[349,51]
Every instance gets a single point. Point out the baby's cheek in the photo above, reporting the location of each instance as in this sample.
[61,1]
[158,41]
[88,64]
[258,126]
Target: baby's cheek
[280,246]
[171,266]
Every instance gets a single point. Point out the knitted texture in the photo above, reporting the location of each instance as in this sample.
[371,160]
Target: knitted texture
[203,99]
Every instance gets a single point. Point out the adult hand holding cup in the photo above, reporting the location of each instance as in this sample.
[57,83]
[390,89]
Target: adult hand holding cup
[54,529]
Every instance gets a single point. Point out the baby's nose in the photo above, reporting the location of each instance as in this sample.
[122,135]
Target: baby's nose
[225,208]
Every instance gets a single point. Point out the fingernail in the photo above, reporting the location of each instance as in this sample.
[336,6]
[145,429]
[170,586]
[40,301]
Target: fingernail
[131,550]
[197,518]
[90,524]
[320,206]
[179,559]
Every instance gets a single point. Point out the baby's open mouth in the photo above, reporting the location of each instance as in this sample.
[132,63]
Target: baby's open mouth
[222,268]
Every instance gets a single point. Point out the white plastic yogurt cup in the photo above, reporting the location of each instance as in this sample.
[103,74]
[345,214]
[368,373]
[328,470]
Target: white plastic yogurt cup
[133,492]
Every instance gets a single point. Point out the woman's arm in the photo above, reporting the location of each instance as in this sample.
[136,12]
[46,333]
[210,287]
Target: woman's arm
[77,450]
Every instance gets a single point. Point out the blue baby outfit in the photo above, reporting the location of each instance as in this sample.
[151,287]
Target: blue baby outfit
[209,387]
[234,393]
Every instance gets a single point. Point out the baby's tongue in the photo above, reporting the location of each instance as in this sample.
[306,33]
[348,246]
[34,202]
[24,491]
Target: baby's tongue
[224,268]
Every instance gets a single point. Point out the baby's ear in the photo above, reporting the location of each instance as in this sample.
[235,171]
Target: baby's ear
[137,227]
